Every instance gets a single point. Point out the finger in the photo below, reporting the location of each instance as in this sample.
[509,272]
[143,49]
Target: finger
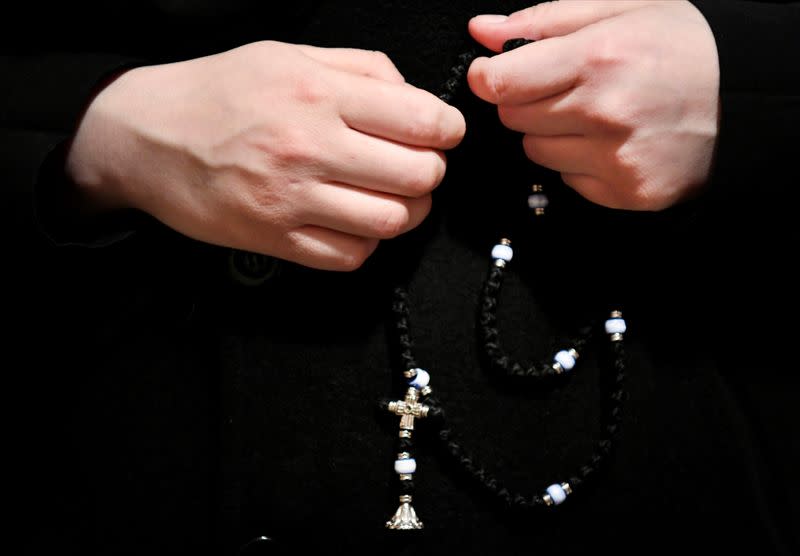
[370,63]
[380,165]
[549,117]
[565,153]
[326,249]
[529,73]
[401,113]
[364,213]
[594,190]
[545,20]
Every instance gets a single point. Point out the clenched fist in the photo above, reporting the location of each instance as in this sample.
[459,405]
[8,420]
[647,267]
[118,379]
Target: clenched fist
[307,154]
[620,97]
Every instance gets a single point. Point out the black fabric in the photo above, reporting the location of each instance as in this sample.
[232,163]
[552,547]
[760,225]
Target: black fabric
[161,407]
[36,135]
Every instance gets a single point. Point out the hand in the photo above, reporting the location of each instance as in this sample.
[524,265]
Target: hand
[308,154]
[620,97]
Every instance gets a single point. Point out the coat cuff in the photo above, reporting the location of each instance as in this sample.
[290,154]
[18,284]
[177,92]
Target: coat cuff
[64,225]
[44,131]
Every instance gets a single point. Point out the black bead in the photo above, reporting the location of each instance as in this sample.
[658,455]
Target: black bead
[511,44]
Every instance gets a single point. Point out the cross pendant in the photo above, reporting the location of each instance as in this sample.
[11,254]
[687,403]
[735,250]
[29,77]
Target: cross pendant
[408,409]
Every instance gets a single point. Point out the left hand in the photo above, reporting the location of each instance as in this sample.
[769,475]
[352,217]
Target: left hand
[620,97]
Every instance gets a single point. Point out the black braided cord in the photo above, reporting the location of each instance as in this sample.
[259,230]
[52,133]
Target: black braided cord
[489,336]
[504,365]
[602,448]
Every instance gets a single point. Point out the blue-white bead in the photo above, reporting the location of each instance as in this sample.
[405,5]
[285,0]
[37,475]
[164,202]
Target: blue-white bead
[538,200]
[616,326]
[565,359]
[405,466]
[557,494]
[421,380]
[502,252]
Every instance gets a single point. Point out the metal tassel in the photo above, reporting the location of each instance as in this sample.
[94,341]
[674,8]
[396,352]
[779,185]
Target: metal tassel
[405,517]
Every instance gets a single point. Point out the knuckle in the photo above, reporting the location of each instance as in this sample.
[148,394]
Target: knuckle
[391,220]
[627,110]
[310,89]
[613,111]
[261,48]
[496,84]
[628,162]
[382,59]
[640,199]
[427,126]
[424,205]
[506,114]
[574,181]
[597,111]
[615,106]
[425,177]
[605,52]
[295,148]
[543,12]
[647,195]
[357,255]
[530,145]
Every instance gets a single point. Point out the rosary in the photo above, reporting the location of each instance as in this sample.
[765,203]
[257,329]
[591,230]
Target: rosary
[418,403]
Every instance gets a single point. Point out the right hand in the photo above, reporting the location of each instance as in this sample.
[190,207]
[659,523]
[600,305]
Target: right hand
[307,154]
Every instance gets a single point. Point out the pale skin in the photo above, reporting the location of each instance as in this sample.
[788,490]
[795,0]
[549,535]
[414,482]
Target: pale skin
[620,97]
[314,155]
[307,154]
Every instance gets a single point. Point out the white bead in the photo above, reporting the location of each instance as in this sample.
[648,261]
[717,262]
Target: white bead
[503,252]
[538,200]
[565,359]
[421,380]
[405,466]
[557,494]
[616,326]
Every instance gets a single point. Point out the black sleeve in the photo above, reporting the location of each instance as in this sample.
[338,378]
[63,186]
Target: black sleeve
[42,100]
[758,48]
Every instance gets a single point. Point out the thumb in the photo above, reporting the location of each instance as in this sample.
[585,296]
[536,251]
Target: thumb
[548,19]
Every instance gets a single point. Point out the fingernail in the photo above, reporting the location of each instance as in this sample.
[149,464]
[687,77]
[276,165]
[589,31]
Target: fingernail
[491,19]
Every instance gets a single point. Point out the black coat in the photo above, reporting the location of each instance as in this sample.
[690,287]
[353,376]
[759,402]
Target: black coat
[162,403]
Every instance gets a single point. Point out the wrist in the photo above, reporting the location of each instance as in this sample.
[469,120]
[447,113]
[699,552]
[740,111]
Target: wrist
[98,156]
